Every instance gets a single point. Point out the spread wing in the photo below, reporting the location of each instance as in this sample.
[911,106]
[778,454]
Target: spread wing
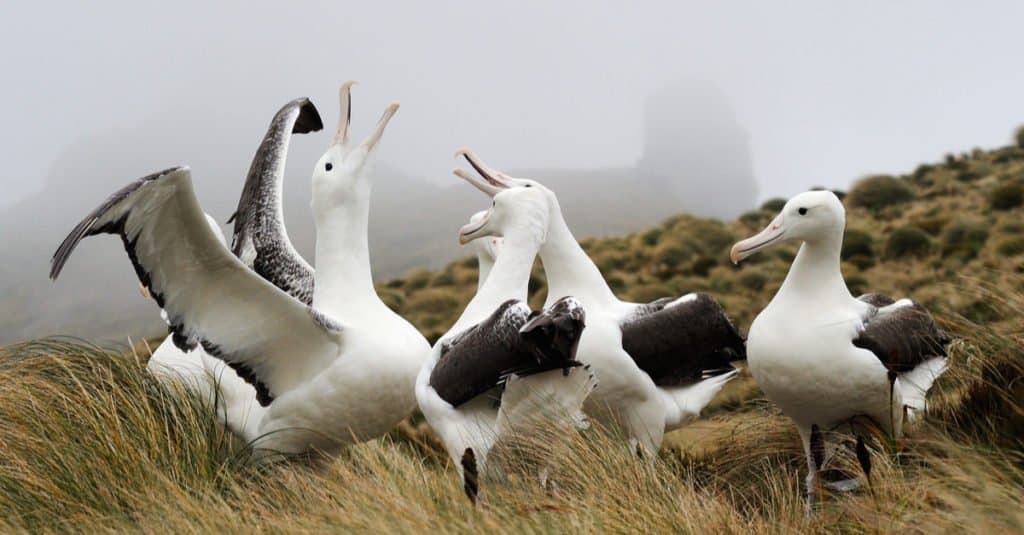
[510,341]
[902,334]
[260,238]
[274,341]
[679,342]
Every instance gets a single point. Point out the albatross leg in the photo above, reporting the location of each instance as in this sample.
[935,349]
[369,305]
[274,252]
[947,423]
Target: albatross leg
[814,449]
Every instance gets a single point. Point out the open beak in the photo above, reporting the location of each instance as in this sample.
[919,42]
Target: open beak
[773,233]
[475,229]
[341,133]
[493,180]
[378,132]
[345,96]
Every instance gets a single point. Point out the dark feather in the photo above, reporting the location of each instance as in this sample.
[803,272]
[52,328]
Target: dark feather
[259,221]
[681,344]
[510,341]
[901,336]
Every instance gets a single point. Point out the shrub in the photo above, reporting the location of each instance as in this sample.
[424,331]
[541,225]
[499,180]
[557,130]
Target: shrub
[650,237]
[444,278]
[1013,228]
[774,205]
[1011,246]
[438,301]
[1018,136]
[755,218]
[671,255]
[856,284]
[753,280]
[932,225]
[648,292]
[856,243]
[907,241]
[964,240]
[702,266]
[877,192]
[418,278]
[1006,196]
[861,262]
[922,172]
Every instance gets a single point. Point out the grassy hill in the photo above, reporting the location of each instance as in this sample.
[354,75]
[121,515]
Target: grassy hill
[88,441]
[948,234]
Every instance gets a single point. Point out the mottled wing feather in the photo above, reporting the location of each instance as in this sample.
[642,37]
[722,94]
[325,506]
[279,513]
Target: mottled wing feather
[681,341]
[260,238]
[902,334]
[510,341]
[210,297]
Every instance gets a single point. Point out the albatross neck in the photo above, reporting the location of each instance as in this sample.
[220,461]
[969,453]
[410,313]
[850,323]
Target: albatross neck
[568,269]
[815,275]
[343,283]
[509,278]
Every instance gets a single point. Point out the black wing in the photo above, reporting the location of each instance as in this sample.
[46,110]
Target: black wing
[681,341]
[511,341]
[260,239]
[902,334]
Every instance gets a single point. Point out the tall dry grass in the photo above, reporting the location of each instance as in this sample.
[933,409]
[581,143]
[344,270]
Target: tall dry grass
[90,442]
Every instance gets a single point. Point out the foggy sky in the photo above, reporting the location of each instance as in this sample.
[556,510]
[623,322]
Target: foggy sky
[826,91]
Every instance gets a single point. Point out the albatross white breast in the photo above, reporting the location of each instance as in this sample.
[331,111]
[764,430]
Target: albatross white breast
[339,371]
[502,366]
[825,357]
[659,363]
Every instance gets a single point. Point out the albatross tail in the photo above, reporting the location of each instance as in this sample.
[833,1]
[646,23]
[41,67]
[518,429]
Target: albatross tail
[684,403]
[914,385]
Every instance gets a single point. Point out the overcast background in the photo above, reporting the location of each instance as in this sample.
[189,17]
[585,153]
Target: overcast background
[805,93]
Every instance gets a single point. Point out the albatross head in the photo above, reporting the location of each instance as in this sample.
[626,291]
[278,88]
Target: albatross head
[520,208]
[810,217]
[346,165]
[486,248]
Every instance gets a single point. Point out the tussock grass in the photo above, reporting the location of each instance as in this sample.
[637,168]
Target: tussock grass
[90,442]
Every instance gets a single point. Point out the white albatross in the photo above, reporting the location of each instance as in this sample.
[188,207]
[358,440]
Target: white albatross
[334,373]
[825,357]
[259,215]
[501,366]
[659,363]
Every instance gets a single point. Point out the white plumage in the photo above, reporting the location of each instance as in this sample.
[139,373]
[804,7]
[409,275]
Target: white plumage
[629,395]
[330,374]
[824,356]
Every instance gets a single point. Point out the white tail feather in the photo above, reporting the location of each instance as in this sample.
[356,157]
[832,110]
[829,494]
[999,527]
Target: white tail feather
[685,403]
[552,394]
[914,385]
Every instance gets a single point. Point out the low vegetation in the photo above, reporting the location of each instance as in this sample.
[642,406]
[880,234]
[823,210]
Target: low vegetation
[90,442]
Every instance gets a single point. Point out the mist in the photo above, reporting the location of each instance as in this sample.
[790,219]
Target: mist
[706,108]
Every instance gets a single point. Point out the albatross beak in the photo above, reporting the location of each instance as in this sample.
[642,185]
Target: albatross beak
[771,234]
[344,95]
[495,178]
[378,132]
[475,229]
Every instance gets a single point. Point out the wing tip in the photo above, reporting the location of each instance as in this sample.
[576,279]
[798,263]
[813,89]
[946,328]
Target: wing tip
[308,119]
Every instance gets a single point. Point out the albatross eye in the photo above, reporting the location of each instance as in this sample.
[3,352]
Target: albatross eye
[328,166]
[802,211]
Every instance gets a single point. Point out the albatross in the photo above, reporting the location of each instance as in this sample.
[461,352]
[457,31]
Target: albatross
[335,372]
[659,363]
[501,365]
[825,357]
[259,226]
